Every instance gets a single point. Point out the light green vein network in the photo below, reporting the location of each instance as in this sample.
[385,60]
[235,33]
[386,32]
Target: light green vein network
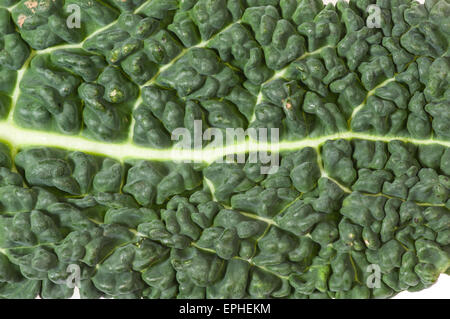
[18,137]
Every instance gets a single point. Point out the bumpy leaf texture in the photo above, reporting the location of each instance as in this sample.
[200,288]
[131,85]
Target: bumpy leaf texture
[88,178]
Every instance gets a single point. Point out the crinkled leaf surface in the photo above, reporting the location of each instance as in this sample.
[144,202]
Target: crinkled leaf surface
[90,176]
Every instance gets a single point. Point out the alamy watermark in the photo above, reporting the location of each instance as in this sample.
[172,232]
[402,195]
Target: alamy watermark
[73,21]
[73,280]
[229,147]
[374,18]
[373,280]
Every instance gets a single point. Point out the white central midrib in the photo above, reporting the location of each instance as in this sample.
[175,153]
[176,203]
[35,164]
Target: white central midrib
[18,138]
